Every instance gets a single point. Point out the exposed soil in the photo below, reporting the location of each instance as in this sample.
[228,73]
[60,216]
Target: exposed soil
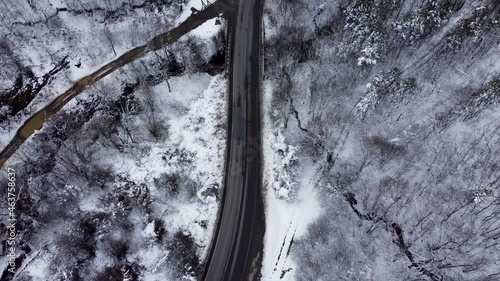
[23,92]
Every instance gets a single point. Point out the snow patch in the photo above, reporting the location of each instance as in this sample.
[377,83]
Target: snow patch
[285,221]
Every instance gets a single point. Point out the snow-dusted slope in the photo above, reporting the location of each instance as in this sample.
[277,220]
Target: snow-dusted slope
[389,109]
[124,182]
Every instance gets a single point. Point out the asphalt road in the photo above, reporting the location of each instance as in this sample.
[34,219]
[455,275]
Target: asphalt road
[237,248]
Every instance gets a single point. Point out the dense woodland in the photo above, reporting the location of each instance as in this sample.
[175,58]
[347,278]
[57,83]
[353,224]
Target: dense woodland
[396,101]
[83,212]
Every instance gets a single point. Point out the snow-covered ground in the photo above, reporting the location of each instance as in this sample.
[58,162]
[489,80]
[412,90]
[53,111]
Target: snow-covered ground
[41,37]
[286,218]
[288,213]
[89,39]
[195,112]
[380,129]
[207,29]
[133,191]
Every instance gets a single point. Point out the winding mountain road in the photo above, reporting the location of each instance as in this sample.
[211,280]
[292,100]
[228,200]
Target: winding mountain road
[236,252]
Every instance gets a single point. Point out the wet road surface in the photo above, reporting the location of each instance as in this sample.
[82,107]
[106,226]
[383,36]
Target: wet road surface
[237,250]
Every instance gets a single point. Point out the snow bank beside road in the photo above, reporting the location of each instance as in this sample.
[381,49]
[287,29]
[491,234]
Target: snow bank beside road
[285,221]
[196,113]
[192,154]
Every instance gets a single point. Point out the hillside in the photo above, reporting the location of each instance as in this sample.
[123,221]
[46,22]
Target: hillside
[385,115]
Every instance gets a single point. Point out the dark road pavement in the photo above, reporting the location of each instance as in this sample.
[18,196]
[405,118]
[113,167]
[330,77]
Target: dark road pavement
[237,250]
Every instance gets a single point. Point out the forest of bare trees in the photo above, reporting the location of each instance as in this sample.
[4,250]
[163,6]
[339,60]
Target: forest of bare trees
[397,103]
[80,215]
